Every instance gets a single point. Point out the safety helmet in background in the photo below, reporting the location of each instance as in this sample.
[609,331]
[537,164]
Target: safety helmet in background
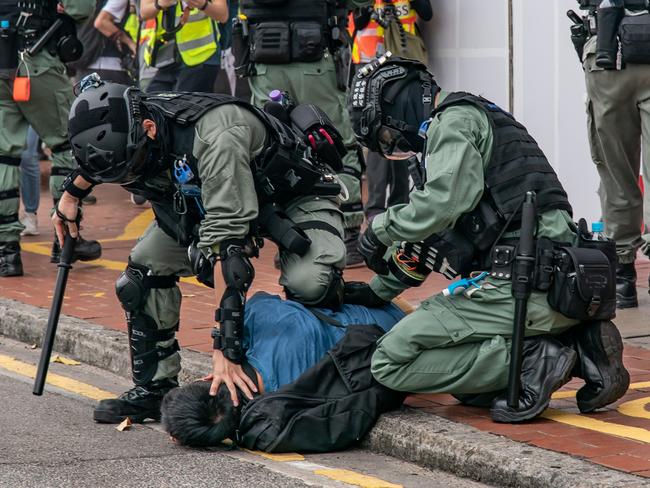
[389,99]
[105,130]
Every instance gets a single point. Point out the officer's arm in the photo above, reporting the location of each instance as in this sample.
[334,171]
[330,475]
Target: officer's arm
[455,180]
[79,10]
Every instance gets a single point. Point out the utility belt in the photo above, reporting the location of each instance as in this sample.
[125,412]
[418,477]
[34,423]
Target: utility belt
[580,281]
[625,29]
[283,42]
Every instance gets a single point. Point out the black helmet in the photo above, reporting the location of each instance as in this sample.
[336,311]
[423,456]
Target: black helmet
[105,130]
[389,99]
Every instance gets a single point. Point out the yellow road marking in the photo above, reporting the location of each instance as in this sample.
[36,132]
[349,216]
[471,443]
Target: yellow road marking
[584,422]
[99,294]
[281,458]
[635,408]
[68,384]
[136,227]
[44,250]
[352,478]
[572,393]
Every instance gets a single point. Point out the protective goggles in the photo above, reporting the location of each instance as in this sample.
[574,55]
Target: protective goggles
[393,145]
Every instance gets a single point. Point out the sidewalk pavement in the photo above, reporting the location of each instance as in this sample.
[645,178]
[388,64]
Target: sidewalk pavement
[617,437]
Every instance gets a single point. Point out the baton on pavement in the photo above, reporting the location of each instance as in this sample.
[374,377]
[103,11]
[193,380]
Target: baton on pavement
[55,310]
[522,284]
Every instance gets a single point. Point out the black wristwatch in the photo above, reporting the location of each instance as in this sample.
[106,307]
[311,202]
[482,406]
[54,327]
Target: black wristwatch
[205,5]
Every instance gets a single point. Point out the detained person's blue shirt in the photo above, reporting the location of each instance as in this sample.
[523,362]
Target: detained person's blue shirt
[283,338]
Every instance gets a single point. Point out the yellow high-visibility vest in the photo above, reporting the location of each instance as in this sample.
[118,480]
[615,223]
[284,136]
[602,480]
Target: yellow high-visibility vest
[131,26]
[196,40]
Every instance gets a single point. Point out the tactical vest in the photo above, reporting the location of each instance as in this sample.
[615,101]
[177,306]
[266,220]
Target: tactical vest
[281,172]
[517,164]
[629,4]
[282,31]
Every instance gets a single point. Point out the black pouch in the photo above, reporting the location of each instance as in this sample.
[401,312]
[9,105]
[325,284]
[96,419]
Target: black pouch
[482,226]
[634,35]
[307,42]
[270,43]
[241,50]
[584,284]
[544,264]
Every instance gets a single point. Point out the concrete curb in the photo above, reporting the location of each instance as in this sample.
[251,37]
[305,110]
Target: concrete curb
[413,436]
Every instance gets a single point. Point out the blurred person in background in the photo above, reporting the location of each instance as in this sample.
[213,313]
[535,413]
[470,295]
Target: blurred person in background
[388,181]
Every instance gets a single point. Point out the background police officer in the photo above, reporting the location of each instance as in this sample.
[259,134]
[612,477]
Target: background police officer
[183,43]
[45,107]
[229,160]
[302,47]
[618,117]
[460,343]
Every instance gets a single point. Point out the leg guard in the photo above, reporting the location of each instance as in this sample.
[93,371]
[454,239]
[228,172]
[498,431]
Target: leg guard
[238,274]
[132,288]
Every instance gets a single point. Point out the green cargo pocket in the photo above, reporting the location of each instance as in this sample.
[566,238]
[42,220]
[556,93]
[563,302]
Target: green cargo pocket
[453,323]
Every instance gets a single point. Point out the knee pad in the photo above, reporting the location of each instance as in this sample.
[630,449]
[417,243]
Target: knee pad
[133,285]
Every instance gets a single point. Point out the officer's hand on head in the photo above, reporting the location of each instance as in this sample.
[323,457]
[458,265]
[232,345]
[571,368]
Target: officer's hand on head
[233,375]
[373,250]
[360,293]
[65,215]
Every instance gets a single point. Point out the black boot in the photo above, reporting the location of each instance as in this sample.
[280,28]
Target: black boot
[626,286]
[83,251]
[10,262]
[546,366]
[139,403]
[600,364]
[353,258]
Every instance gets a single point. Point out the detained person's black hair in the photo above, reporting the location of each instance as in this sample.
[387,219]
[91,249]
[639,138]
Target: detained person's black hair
[194,418]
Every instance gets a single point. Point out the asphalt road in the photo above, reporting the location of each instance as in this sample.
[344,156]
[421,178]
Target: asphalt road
[51,441]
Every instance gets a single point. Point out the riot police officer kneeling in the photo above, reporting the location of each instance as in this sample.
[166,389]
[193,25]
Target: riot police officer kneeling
[220,174]
[464,218]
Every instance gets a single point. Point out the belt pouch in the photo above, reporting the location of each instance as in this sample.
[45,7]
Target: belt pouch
[270,43]
[634,35]
[584,285]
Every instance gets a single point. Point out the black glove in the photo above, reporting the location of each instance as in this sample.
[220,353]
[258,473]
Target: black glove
[373,250]
[360,293]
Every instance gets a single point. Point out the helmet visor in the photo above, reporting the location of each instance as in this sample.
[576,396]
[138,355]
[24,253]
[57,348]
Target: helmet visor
[393,145]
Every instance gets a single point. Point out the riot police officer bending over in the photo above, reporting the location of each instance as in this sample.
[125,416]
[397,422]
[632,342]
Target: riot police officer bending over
[478,163]
[220,174]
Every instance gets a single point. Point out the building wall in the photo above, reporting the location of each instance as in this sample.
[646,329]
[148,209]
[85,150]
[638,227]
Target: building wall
[468,44]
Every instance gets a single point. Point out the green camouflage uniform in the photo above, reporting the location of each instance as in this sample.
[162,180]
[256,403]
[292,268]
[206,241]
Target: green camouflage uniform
[455,344]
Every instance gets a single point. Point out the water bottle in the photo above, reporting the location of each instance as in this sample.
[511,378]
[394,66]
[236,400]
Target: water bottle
[598,231]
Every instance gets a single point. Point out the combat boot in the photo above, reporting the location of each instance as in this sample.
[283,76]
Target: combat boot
[626,286]
[546,366]
[10,262]
[600,363]
[138,404]
[353,258]
[83,251]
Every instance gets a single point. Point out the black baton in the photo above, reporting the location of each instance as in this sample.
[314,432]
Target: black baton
[55,310]
[522,285]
